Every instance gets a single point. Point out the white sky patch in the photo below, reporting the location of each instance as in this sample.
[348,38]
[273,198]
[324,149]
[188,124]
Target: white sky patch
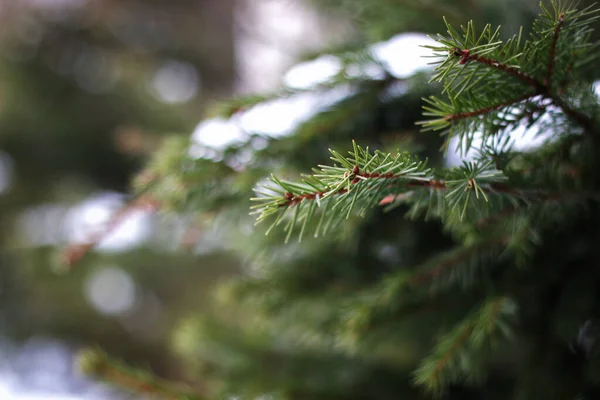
[6,394]
[282,116]
[311,73]
[218,133]
[403,55]
[370,70]
[43,369]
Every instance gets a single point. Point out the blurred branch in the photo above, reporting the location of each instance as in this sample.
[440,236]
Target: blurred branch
[75,252]
[99,365]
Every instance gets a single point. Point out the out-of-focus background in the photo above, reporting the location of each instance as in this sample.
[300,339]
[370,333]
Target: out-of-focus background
[88,90]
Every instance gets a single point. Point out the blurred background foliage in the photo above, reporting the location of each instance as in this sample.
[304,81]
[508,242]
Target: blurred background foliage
[89,88]
[89,91]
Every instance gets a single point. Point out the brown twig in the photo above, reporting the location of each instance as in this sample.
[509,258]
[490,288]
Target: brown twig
[469,114]
[293,199]
[76,252]
[466,56]
[437,185]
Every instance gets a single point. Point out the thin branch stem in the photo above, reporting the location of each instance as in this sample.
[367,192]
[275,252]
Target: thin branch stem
[561,21]
[292,199]
[466,56]
[438,185]
[76,252]
[485,110]
[540,88]
[148,387]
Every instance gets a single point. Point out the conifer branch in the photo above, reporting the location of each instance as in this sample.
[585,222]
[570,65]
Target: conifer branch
[75,252]
[292,200]
[456,258]
[486,110]
[472,339]
[481,96]
[97,364]
[455,347]
[363,179]
[466,56]
[360,180]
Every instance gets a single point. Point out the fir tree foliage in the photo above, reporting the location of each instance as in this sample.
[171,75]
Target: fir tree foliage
[335,318]
[490,86]
[480,75]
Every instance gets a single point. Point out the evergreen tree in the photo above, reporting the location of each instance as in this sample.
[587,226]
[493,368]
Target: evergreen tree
[488,290]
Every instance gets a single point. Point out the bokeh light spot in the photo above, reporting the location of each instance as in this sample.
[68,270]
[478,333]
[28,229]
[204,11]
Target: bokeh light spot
[176,82]
[110,291]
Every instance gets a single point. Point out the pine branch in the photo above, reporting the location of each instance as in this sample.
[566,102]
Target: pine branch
[400,292]
[361,180]
[97,364]
[465,56]
[480,86]
[486,110]
[358,181]
[76,252]
[471,339]
[463,256]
